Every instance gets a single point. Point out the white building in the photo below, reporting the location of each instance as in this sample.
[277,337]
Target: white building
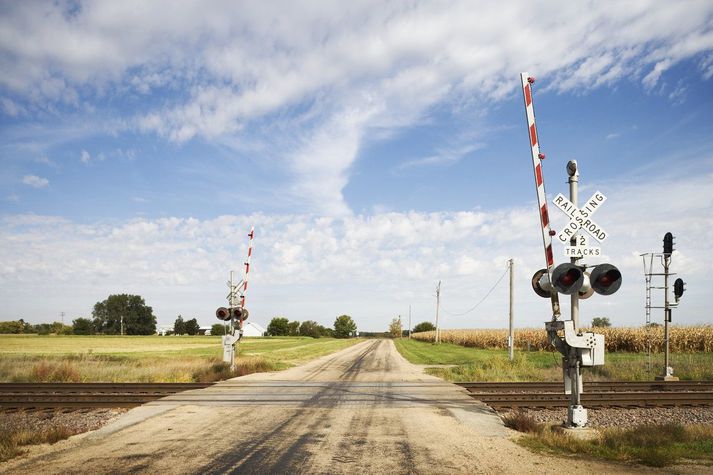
[253,329]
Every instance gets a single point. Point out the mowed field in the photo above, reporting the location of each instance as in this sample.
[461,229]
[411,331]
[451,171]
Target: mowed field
[55,358]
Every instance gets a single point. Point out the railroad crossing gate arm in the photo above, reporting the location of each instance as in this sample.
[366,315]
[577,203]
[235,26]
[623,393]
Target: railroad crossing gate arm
[537,157]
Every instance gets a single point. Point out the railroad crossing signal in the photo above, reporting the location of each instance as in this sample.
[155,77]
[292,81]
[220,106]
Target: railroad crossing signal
[568,279]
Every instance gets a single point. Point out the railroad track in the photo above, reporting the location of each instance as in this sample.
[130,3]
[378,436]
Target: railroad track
[86,395]
[596,394]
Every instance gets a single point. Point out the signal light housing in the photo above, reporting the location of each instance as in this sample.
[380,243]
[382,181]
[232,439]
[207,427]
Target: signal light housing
[667,244]
[541,283]
[239,313]
[222,314]
[586,290]
[605,279]
[567,278]
[678,289]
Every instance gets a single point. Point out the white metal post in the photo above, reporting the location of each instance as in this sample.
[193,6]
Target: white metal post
[573,197]
[572,360]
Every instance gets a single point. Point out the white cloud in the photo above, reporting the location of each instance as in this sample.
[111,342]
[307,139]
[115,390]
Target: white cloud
[372,267]
[35,181]
[85,157]
[442,157]
[338,75]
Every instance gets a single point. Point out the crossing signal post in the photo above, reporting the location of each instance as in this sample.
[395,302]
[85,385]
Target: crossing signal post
[235,314]
[579,349]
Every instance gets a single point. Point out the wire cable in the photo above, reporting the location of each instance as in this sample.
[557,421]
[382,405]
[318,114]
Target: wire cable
[481,300]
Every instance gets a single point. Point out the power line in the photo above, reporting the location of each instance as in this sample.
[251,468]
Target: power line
[481,300]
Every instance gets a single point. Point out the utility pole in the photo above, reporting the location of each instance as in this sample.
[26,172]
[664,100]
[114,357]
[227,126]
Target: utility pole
[438,305]
[409,322]
[511,335]
[61,315]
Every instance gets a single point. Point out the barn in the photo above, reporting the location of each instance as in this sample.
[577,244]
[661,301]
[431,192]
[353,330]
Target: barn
[253,329]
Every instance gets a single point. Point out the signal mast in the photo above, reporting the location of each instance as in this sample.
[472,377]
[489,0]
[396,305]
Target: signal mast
[235,313]
[579,349]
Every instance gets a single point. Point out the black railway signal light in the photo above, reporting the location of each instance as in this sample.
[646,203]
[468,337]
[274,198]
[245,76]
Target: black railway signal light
[223,314]
[239,313]
[568,278]
[667,244]
[678,289]
[605,279]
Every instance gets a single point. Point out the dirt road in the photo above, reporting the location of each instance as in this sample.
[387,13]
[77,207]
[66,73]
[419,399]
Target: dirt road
[362,410]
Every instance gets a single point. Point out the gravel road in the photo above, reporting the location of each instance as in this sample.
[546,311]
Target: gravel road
[362,410]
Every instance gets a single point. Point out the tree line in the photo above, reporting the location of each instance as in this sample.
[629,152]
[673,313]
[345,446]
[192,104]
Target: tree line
[121,313]
[344,327]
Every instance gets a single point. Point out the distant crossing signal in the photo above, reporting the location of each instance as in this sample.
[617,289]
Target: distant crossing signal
[239,313]
[223,314]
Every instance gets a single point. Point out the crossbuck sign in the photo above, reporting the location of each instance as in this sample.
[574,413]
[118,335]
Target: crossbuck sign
[581,218]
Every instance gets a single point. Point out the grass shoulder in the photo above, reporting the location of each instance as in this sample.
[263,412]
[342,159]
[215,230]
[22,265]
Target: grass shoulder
[657,445]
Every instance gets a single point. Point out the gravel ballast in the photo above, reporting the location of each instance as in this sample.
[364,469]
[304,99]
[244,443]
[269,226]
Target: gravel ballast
[75,421]
[626,417]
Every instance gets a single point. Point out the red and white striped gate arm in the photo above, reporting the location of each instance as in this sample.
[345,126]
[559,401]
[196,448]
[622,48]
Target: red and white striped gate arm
[537,158]
[247,266]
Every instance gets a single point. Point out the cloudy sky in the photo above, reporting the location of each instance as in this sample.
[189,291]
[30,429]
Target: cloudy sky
[377,147]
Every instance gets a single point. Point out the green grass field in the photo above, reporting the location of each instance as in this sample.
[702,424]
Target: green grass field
[474,364]
[53,358]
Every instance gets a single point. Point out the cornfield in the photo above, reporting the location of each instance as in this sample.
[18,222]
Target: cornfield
[681,338]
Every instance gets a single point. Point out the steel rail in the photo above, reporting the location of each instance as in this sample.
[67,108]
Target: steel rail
[86,395]
[100,387]
[594,400]
[591,386]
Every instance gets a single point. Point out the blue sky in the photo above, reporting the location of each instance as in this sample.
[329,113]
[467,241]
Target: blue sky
[376,148]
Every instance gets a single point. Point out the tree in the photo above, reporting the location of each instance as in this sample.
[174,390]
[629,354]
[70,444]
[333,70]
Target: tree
[192,326]
[310,328]
[138,317]
[324,331]
[82,326]
[601,322]
[13,326]
[293,328]
[179,326]
[217,329]
[279,326]
[424,327]
[395,328]
[344,326]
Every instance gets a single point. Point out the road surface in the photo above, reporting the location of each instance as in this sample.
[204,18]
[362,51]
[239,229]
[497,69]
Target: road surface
[363,410]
